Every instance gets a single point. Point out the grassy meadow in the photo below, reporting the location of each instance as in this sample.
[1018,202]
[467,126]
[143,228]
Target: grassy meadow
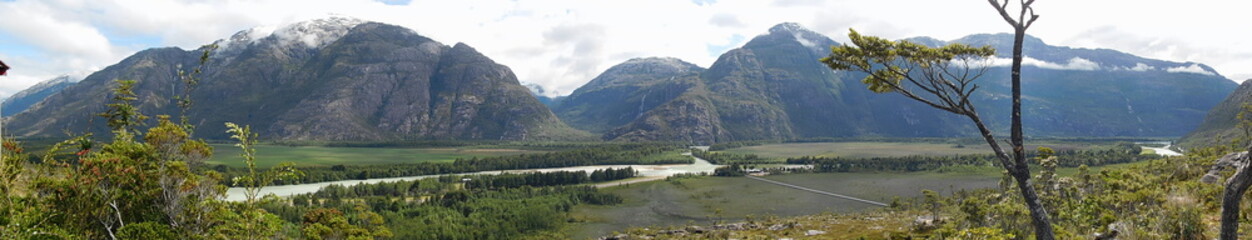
[706,200]
[269,155]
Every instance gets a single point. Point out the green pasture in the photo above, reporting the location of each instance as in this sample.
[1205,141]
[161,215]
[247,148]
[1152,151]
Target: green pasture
[708,200]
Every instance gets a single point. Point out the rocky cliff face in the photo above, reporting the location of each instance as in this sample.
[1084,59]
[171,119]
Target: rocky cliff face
[327,79]
[774,88]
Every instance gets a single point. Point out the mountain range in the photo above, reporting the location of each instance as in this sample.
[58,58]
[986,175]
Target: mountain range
[341,79]
[329,79]
[773,88]
[22,100]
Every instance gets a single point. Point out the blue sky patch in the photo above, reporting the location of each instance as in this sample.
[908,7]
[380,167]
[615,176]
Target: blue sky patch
[395,2]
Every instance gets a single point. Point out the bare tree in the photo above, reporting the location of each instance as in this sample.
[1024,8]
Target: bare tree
[943,79]
[1025,18]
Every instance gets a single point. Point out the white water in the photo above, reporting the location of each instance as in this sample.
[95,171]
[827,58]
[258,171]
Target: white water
[699,166]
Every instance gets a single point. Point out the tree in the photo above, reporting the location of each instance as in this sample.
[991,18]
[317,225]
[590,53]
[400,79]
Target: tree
[122,115]
[253,181]
[943,78]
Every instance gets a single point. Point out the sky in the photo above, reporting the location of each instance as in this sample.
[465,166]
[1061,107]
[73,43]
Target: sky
[562,44]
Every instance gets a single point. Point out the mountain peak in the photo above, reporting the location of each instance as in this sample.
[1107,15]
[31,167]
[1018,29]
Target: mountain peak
[790,32]
[667,65]
[317,32]
[314,33]
[668,62]
[789,27]
[22,100]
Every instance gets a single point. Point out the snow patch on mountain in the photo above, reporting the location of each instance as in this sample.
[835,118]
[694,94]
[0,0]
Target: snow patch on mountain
[66,78]
[804,36]
[245,38]
[804,41]
[314,33]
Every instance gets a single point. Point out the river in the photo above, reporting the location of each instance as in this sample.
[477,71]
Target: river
[652,172]
[1163,151]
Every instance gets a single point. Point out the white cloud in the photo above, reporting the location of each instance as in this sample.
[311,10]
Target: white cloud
[1193,68]
[725,20]
[1075,63]
[1227,56]
[1140,67]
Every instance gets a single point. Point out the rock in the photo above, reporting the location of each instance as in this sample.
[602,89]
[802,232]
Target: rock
[732,227]
[814,232]
[616,237]
[777,227]
[695,229]
[673,232]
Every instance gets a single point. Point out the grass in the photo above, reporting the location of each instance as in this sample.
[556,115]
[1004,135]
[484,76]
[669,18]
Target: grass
[867,149]
[709,200]
[269,155]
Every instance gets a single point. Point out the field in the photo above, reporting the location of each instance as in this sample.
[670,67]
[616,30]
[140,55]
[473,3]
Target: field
[707,200]
[269,155]
[881,149]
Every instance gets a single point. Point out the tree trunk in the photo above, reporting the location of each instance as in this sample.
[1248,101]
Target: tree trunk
[1021,174]
[1038,215]
[1231,197]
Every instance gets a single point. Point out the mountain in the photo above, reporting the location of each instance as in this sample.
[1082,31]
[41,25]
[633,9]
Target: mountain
[326,80]
[773,87]
[22,100]
[626,91]
[1220,126]
[1102,92]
